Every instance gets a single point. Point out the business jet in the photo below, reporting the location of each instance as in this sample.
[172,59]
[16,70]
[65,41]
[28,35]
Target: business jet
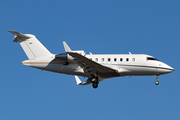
[96,67]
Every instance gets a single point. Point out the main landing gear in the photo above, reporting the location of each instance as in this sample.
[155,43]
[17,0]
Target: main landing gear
[157,82]
[95,82]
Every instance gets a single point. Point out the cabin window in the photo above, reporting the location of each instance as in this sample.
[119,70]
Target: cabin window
[96,59]
[121,59]
[109,59]
[133,59]
[115,59]
[102,59]
[151,58]
[127,59]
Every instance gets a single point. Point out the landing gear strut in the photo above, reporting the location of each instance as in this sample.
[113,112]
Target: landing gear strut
[157,82]
[95,82]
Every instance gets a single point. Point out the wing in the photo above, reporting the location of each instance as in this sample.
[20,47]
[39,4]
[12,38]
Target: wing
[90,67]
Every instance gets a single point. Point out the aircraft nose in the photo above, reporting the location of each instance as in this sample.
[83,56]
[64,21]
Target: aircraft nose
[165,68]
[169,68]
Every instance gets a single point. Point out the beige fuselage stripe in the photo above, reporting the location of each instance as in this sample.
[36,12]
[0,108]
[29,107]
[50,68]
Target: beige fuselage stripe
[35,62]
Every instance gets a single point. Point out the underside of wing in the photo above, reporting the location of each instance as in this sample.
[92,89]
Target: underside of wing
[90,67]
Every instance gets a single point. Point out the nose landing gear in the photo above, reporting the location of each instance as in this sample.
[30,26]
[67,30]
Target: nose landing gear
[157,82]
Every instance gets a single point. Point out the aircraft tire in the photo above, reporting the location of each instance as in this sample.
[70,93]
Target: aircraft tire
[95,85]
[157,82]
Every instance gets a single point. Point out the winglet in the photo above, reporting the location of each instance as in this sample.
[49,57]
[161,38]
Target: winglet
[78,81]
[66,47]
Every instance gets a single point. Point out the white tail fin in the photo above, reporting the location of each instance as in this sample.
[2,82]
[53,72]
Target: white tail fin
[31,45]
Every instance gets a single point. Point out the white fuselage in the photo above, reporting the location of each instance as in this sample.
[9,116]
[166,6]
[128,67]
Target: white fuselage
[125,64]
[133,64]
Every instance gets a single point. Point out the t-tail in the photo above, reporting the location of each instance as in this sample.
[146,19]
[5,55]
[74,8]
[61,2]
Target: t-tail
[31,45]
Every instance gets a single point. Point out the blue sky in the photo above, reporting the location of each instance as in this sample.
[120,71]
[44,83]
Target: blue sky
[98,26]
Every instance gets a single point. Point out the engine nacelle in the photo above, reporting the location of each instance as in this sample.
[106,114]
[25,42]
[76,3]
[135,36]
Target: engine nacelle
[62,58]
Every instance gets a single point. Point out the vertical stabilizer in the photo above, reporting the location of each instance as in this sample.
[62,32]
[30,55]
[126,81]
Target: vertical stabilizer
[31,45]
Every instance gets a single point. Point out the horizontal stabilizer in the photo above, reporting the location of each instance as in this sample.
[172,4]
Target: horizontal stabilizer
[17,34]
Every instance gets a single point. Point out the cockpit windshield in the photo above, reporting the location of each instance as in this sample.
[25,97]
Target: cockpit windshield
[151,58]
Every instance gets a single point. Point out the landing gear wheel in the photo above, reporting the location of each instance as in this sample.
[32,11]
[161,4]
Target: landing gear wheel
[95,81]
[157,82]
[95,85]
